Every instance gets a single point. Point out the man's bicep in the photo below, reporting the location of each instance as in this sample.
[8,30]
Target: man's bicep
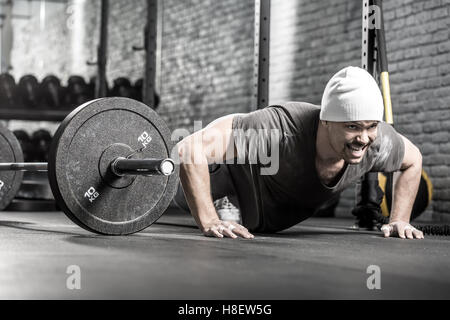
[241,135]
[218,140]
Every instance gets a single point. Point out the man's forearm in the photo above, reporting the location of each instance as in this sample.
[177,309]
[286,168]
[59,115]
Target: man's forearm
[195,180]
[405,193]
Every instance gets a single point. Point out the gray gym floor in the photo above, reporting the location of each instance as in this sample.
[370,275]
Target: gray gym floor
[318,259]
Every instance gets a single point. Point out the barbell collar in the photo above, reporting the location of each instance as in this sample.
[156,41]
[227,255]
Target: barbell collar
[145,167]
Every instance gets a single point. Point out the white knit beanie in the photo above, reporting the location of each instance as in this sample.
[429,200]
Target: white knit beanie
[352,94]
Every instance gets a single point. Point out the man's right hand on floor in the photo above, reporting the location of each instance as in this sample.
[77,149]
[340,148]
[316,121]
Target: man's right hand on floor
[219,228]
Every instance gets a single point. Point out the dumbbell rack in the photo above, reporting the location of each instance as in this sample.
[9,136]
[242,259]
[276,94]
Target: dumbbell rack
[33,115]
[34,193]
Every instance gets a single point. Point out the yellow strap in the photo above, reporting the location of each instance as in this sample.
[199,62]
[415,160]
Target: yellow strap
[429,186]
[384,77]
[382,183]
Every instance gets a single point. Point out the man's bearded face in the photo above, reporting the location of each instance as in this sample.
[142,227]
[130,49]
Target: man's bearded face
[350,140]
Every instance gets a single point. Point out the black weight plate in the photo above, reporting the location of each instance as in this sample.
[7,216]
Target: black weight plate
[10,181]
[91,137]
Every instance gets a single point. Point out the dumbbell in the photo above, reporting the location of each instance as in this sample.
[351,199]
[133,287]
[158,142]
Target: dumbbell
[122,88]
[28,91]
[25,145]
[41,141]
[110,166]
[77,92]
[8,98]
[51,92]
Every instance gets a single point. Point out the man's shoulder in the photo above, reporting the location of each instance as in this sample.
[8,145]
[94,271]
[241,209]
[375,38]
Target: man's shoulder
[297,107]
[287,115]
[300,114]
[385,134]
[386,152]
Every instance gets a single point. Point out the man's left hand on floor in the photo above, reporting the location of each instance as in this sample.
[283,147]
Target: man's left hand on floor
[401,229]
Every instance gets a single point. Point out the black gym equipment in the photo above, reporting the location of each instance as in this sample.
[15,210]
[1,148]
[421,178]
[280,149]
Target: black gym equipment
[91,87]
[9,180]
[260,97]
[8,97]
[34,186]
[77,92]
[145,89]
[98,87]
[138,87]
[102,54]
[108,176]
[122,88]
[51,93]
[41,140]
[138,93]
[28,92]
[25,144]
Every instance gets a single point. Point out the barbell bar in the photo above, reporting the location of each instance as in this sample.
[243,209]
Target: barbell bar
[120,166]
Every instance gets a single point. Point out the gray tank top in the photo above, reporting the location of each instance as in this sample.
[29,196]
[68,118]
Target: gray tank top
[276,193]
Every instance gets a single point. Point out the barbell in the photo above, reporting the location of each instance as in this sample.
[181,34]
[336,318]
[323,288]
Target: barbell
[110,166]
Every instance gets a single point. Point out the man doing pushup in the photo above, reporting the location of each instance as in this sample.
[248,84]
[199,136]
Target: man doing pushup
[278,165]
